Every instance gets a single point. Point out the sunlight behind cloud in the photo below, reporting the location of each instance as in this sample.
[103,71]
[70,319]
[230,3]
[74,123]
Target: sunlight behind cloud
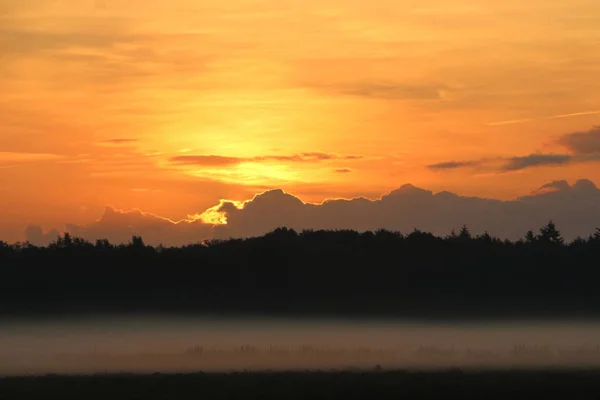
[250,173]
[215,215]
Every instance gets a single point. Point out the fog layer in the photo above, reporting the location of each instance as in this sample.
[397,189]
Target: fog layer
[179,345]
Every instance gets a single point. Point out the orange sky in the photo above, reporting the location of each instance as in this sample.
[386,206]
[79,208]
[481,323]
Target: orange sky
[169,106]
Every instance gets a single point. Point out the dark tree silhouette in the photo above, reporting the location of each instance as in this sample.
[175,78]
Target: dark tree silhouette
[63,242]
[452,235]
[137,242]
[485,238]
[103,244]
[464,234]
[530,237]
[550,235]
[310,272]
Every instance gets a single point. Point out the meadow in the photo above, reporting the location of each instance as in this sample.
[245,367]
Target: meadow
[453,383]
[306,358]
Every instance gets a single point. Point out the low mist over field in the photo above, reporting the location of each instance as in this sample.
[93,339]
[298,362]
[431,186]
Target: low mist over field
[161,344]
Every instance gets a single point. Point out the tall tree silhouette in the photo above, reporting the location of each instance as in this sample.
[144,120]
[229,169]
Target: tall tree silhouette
[464,234]
[63,242]
[530,237]
[137,242]
[103,244]
[550,235]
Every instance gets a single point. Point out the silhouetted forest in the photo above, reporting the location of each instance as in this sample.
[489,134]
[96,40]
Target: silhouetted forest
[329,273]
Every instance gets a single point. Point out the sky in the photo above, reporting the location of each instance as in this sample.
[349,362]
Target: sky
[171,107]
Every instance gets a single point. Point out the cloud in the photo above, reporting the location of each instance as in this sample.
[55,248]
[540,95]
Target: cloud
[206,161]
[584,147]
[215,160]
[573,207]
[18,157]
[119,141]
[536,160]
[352,157]
[343,170]
[517,163]
[553,187]
[454,164]
[35,235]
[119,226]
[19,41]
[560,116]
[389,90]
[582,143]
[90,51]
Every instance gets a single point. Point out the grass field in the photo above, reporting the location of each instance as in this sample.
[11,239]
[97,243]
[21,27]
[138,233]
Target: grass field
[470,384]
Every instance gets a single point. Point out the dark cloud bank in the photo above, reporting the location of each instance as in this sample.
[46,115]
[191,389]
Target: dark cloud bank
[519,163]
[575,209]
[583,147]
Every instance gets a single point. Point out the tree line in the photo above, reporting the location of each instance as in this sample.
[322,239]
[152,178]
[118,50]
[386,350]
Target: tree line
[334,273]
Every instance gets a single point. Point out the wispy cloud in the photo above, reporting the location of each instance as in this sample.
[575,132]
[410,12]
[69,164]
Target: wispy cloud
[343,170]
[387,90]
[76,161]
[206,161]
[216,160]
[23,41]
[583,146]
[11,157]
[454,164]
[517,163]
[118,141]
[519,121]
[511,122]
[537,160]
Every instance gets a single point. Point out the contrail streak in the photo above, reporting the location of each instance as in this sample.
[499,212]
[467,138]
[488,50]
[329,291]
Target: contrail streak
[514,121]
[574,114]
[519,121]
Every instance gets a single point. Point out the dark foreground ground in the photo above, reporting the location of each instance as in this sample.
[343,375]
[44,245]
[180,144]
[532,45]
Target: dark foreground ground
[513,384]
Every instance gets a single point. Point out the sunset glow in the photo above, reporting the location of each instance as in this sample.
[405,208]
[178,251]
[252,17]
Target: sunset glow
[169,107]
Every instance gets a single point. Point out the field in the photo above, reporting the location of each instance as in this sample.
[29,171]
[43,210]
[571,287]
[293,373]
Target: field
[380,384]
[250,359]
